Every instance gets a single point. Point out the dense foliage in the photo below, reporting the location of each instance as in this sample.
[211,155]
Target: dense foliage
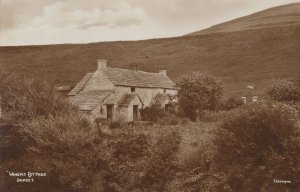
[285,90]
[198,92]
[160,115]
[230,103]
[42,132]
[152,113]
[257,144]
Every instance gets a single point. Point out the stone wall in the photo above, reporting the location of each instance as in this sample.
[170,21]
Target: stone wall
[100,111]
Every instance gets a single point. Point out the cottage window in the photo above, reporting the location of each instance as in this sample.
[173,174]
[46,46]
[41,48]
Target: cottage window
[132,90]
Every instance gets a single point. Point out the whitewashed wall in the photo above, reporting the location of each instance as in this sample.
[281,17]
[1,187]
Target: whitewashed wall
[146,94]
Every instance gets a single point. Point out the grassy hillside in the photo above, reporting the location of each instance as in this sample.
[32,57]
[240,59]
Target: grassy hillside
[239,58]
[284,15]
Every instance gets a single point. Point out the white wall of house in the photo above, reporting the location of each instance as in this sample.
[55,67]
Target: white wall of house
[147,95]
[125,113]
[137,102]
[122,114]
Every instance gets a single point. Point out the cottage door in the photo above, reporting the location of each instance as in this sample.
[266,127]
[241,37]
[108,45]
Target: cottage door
[135,113]
[110,112]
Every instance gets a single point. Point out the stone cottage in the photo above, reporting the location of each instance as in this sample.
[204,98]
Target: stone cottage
[118,94]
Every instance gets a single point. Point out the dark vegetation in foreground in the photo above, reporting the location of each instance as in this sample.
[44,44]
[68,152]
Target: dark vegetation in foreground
[42,132]
[242,149]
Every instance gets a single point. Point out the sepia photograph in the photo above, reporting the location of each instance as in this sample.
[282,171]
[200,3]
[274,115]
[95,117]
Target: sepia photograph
[149,96]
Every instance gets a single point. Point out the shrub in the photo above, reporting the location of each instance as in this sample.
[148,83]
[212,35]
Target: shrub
[185,120]
[212,116]
[54,138]
[25,99]
[257,144]
[152,113]
[130,144]
[13,142]
[72,152]
[169,119]
[198,92]
[231,103]
[201,158]
[116,125]
[126,150]
[139,164]
[284,90]
[196,159]
[162,165]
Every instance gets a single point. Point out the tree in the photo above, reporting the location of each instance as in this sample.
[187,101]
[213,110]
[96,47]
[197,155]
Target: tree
[198,92]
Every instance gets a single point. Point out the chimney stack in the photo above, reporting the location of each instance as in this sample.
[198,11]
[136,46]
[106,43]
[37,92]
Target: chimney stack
[163,72]
[102,64]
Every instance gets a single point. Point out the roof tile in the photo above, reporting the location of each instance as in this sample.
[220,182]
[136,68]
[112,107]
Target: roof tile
[80,85]
[126,77]
[127,99]
[88,100]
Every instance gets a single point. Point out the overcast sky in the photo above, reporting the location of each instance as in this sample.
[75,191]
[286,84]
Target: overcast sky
[81,21]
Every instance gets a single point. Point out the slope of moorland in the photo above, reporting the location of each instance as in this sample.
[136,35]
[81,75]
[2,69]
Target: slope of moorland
[284,15]
[239,57]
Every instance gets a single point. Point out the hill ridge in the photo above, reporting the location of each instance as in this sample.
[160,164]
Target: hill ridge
[292,8]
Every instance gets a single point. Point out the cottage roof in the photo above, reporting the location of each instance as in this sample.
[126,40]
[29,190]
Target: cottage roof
[80,85]
[127,99]
[88,100]
[127,77]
